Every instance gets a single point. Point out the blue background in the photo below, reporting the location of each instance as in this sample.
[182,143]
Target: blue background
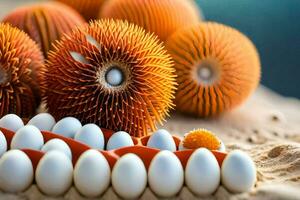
[274,27]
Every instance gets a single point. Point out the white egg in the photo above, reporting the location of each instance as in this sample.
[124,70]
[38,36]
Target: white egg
[202,172]
[119,139]
[16,171]
[67,127]
[3,144]
[91,135]
[27,137]
[11,122]
[57,145]
[165,174]
[54,173]
[162,139]
[92,173]
[43,121]
[129,176]
[238,172]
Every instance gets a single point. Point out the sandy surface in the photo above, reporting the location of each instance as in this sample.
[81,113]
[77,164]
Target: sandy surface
[267,126]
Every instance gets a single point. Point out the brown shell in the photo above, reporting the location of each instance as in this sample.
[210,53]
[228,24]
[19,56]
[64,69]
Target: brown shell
[89,9]
[78,87]
[45,22]
[21,71]
[217,68]
[163,17]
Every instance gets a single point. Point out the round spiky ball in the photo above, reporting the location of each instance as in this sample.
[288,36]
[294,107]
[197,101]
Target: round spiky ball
[88,8]
[111,73]
[21,71]
[163,17]
[201,138]
[217,68]
[45,22]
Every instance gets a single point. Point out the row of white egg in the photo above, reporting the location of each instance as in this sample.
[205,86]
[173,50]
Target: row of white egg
[92,174]
[89,134]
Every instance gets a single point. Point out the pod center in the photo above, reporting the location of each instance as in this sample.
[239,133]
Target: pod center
[114,76]
[207,72]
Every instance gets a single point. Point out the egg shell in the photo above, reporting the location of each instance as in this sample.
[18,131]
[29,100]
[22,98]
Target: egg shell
[129,176]
[165,174]
[27,137]
[67,127]
[91,135]
[119,139]
[202,172]
[16,171]
[11,122]
[3,144]
[54,173]
[43,121]
[57,145]
[92,174]
[162,139]
[238,172]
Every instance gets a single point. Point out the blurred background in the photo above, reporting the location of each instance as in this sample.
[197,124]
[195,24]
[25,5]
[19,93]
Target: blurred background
[273,25]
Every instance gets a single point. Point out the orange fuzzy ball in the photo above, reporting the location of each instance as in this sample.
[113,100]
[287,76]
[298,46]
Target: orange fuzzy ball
[111,73]
[163,17]
[201,138]
[217,67]
[45,22]
[88,8]
[21,71]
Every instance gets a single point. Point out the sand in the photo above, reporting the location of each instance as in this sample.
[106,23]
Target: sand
[267,126]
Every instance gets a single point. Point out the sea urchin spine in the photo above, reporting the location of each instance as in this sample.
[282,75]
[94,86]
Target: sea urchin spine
[45,22]
[111,73]
[217,68]
[21,71]
[162,17]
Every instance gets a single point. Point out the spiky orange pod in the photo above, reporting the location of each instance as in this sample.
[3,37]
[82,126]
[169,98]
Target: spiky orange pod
[217,67]
[163,17]
[21,71]
[88,8]
[45,22]
[111,73]
[201,138]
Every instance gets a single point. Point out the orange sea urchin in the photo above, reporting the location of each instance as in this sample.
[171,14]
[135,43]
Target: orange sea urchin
[163,17]
[45,22]
[201,138]
[21,70]
[111,73]
[217,68]
[88,8]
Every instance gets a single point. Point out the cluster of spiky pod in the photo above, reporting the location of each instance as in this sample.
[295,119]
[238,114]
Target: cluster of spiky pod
[21,70]
[89,9]
[45,22]
[162,17]
[111,73]
[217,68]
